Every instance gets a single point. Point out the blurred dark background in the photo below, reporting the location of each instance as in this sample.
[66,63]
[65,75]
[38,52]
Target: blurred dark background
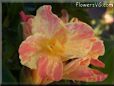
[98,18]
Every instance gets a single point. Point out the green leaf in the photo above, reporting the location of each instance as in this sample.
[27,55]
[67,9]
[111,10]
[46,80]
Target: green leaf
[108,59]
[7,77]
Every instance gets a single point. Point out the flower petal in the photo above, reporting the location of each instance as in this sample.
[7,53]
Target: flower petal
[38,80]
[71,66]
[80,30]
[74,19]
[77,48]
[24,17]
[79,40]
[86,74]
[61,36]
[55,69]
[26,23]
[97,49]
[28,51]
[46,22]
[97,63]
[65,16]
[27,28]
[42,65]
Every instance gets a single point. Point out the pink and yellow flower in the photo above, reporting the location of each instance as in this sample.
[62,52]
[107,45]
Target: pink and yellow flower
[56,49]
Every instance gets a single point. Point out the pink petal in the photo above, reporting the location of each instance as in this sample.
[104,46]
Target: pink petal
[46,22]
[86,74]
[27,21]
[79,70]
[71,66]
[80,30]
[57,72]
[55,69]
[27,28]
[99,75]
[42,65]
[79,41]
[65,16]
[97,63]
[98,48]
[24,17]
[28,51]
[25,49]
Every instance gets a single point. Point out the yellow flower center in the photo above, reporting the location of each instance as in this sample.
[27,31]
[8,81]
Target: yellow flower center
[52,46]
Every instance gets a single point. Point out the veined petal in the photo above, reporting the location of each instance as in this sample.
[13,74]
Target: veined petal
[28,51]
[80,30]
[77,48]
[50,66]
[97,49]
[71,66]
[46,22]
[86,74]
[79,39]
[26,23]
[97,63]
[55,69]
[42,66]
[24,17]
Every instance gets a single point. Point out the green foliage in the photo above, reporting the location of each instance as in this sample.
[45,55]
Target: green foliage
[8,78]
[108,59]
